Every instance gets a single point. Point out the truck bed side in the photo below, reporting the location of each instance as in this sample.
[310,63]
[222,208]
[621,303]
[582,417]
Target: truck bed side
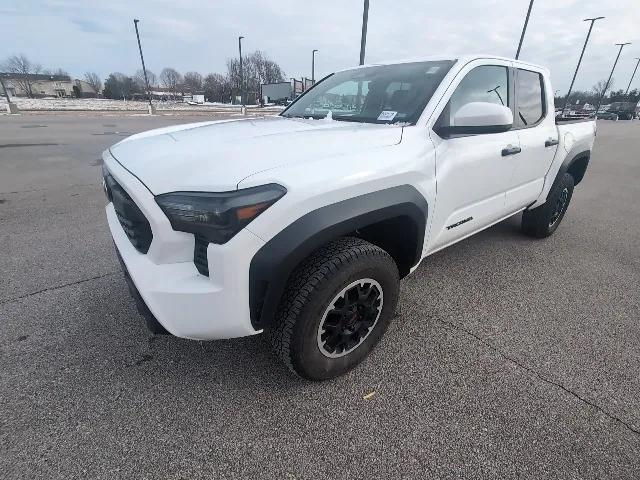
[575,140]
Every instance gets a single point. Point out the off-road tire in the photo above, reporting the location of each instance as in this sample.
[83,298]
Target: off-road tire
[311,289]
[544,220]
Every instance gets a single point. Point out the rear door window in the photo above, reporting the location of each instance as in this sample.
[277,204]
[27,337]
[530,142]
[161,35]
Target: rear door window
[529,98]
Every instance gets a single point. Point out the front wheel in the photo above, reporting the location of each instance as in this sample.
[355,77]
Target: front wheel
[544,220]
[337,305]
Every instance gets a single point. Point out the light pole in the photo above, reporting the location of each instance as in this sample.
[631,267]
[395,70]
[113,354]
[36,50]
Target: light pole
[241,74]
[621,45]
[144,69]
[363,37]
[4,90]
[633,75]
[524,29]
[11,107]
[313,66]
[592,20]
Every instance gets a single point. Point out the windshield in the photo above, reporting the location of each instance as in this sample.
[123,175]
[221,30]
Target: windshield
[378,94]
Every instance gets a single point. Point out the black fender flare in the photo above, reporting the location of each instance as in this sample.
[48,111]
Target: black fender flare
[566,165]
[272,265]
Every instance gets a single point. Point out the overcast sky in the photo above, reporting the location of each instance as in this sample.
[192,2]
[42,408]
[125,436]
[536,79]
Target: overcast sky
[87,35]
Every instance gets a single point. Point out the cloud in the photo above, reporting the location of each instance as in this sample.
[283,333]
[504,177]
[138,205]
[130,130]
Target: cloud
[90,26]
[202,34]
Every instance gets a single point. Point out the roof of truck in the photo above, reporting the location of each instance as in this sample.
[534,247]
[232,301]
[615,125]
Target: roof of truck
[463,59]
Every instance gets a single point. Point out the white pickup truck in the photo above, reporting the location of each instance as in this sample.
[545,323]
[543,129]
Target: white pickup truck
[301,225]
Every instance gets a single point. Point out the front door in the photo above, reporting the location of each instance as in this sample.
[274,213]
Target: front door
[473,172]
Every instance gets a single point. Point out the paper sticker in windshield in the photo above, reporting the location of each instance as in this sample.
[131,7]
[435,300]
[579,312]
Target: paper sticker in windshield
[387,116]
[432,70]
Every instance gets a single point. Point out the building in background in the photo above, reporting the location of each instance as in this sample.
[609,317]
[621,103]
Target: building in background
[61,86]
[281,92]
[277,92]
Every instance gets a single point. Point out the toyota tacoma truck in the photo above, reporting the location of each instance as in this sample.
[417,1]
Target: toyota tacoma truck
[301,225]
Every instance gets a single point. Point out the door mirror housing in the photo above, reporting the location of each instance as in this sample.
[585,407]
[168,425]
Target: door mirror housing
[477,118]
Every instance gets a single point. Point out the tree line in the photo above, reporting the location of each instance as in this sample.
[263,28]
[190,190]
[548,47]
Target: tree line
[217,87]
[592,97]
[257,69]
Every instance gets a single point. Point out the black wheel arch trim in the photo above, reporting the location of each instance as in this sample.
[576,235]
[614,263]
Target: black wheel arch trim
[566,166]
[272,265]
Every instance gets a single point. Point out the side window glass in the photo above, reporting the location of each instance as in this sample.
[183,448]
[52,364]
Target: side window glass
[487,83]
[529,98]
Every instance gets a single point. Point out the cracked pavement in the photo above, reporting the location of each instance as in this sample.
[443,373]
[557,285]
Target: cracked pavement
[511,357]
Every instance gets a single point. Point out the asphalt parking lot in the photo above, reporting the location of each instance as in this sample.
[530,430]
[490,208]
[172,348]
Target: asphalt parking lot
[511,357]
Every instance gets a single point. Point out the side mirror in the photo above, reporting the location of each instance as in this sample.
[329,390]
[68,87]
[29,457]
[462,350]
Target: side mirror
[480,117]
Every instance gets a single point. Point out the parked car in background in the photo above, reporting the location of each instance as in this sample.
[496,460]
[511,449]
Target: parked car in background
[607,115]
[624,110]
[302,225]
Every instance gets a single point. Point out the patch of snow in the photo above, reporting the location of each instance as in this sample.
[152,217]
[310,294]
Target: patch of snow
[104,104]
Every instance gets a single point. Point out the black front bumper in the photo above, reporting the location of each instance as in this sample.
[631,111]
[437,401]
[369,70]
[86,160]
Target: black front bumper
[152,323]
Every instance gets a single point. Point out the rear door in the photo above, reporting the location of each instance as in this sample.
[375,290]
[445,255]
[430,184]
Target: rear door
[472,171]
[538,135]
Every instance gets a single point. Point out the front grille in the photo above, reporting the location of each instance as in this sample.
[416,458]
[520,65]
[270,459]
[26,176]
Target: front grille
[133,221]
[200,255]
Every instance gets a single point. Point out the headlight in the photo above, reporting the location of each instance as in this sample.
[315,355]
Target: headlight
[217,216]
[107,181]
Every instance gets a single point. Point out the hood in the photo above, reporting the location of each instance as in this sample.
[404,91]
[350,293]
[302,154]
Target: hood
[216,156]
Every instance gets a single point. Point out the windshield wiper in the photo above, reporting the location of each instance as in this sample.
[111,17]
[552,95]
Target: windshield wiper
[346,118]
[307,116]
[342,118]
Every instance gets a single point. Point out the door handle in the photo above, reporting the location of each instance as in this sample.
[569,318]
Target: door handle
[510,150]
[550,142]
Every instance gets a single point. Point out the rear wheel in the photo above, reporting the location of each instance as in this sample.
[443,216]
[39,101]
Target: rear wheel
[544,220]
[336,307]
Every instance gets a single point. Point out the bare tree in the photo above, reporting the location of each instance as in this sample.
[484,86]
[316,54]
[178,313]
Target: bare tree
[171,79]
[94,82]
[153,79]
[139,79]
[23,70]
[193,81]
[217,88]
[257,69]
[601,88]
[120,86]
[266,70]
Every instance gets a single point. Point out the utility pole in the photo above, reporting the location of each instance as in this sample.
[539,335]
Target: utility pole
[363,37]
[633,75]
[241,74]
[621,45]
[313,66]
[4,90]
[524,29]
[592,20]
[144,69]
[11,107]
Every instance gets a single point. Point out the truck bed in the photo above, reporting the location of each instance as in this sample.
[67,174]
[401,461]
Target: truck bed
[565,120]
[575,137]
